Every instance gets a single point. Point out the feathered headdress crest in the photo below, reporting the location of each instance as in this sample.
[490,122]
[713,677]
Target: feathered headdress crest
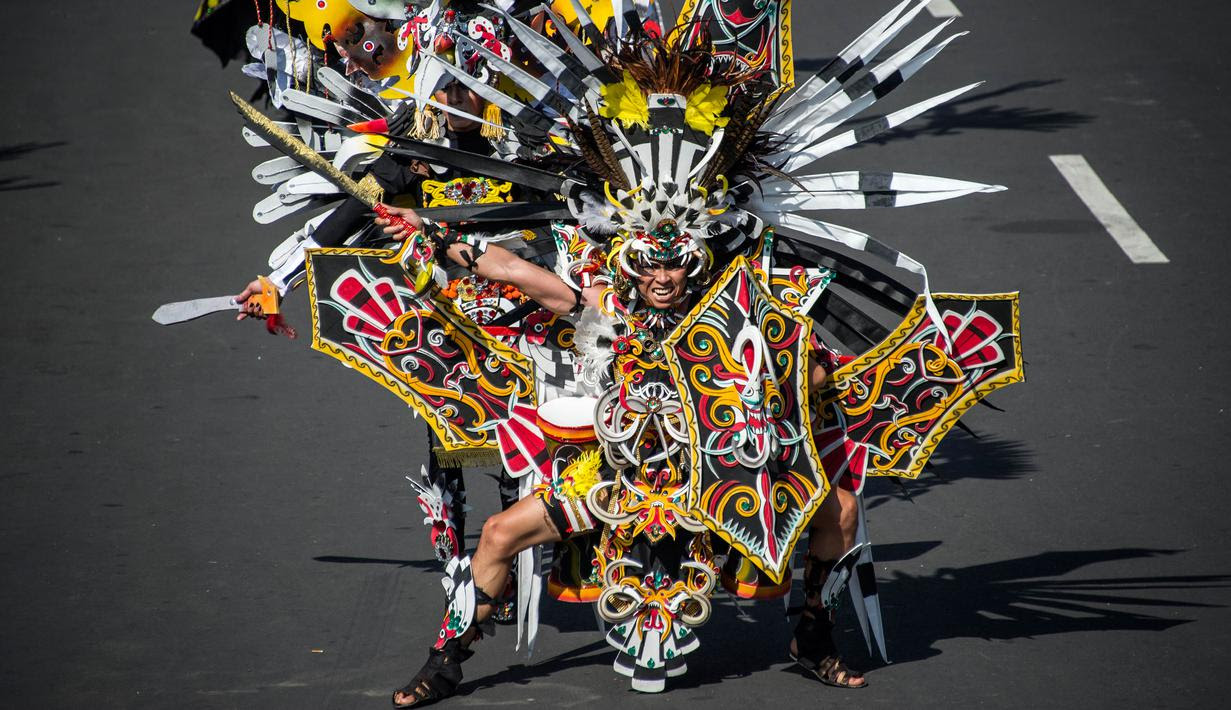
[689,144]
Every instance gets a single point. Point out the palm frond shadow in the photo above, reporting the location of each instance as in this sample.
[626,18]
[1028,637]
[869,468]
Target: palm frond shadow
[954,117]
[959,456]
[1027,597]
[15,151]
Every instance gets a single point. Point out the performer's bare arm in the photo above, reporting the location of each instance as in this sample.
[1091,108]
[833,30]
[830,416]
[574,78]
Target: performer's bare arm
[500,264]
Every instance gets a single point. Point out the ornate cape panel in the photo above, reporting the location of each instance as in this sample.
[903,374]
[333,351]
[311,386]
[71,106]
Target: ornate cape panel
[464,382]
[755,33]
[740,362]
[888,409]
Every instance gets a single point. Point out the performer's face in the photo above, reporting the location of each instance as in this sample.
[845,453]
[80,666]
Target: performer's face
[458,96]
[663,285]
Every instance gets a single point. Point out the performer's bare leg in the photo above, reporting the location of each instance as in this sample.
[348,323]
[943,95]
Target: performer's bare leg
[832,534]
[834,525]
[523,525]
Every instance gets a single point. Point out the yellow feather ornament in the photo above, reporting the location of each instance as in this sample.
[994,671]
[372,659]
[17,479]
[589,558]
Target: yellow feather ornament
[625,102]
[705,107]
[582,473]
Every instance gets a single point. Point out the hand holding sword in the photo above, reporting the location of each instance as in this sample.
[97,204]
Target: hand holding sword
[260,298]
[400,223]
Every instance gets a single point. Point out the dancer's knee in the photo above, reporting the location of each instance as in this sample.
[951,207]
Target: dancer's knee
[500,536]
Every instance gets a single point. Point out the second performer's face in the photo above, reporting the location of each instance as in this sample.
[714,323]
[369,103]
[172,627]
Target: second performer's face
[663,285]
[458,96]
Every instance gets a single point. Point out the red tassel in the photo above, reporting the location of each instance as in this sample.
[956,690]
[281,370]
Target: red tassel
[277,326]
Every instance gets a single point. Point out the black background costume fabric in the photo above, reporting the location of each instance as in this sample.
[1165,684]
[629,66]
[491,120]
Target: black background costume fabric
[221,27]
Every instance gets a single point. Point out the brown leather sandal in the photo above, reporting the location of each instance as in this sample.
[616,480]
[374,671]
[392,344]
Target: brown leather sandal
[833,672]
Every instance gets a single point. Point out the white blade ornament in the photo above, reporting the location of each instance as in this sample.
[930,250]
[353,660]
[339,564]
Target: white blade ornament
[180,311]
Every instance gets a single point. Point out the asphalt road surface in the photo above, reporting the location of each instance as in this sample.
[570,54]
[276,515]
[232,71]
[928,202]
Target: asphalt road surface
[206,516]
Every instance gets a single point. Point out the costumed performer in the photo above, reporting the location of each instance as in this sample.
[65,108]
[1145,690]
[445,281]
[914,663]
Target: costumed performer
[692,443]
[667,285]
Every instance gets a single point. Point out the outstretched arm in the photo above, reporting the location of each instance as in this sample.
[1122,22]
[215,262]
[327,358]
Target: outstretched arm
[496,263]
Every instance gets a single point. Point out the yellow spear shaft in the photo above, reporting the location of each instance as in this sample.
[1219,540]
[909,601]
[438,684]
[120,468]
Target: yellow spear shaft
[366,190]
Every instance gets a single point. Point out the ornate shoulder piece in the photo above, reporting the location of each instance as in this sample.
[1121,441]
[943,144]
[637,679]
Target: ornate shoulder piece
[888,409]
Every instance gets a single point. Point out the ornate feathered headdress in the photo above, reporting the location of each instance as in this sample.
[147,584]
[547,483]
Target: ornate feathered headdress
[648,131]
[679,147]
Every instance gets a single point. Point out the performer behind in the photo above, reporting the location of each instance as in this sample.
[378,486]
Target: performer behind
[402,176]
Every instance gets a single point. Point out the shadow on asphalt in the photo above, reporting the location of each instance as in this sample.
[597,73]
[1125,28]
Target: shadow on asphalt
[810,64]
[961,114]
[1010,599]
[431,564]
[591,654]
[1022,598]
[14,151]
[1018,598]
[960,456]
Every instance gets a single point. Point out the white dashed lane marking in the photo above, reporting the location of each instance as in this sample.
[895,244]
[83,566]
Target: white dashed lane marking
[943,9]
[1108,210]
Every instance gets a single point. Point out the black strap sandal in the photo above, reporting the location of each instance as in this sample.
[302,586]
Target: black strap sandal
[814,650]
[817,655]
[437,680]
